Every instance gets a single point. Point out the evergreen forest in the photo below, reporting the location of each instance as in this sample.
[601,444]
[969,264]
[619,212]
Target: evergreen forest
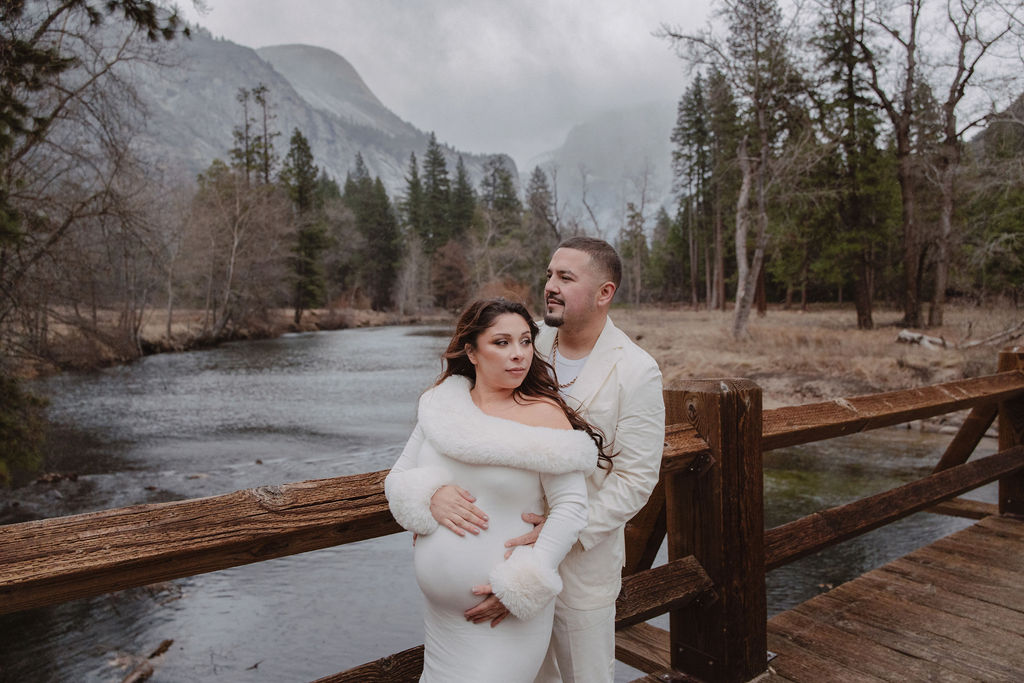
[869,153]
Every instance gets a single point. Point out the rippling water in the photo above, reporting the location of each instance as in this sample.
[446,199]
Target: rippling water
[321,405]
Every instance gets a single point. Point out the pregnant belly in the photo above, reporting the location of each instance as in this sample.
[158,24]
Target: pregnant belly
[448,566]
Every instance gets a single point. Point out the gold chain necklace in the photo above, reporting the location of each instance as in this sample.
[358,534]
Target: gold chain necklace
[554,359]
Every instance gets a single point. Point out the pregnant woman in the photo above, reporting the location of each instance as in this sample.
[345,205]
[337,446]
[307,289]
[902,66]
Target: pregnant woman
[493,424]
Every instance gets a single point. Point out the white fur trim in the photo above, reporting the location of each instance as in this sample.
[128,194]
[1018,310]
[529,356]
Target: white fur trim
[460,430]
[524,584]
[409,494]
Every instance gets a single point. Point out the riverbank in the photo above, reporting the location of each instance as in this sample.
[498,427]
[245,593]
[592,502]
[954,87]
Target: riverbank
[76,343]
[796,356]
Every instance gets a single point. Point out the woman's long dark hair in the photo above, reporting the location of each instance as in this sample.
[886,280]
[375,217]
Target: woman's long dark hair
[539,382]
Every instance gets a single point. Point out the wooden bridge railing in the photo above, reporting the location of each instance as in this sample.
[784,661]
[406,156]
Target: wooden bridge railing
[709,504]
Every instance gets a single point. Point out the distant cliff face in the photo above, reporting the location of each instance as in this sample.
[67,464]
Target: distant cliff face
[619,157]
[192,109]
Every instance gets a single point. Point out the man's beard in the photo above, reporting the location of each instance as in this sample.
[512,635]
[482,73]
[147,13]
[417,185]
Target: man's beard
[551,320]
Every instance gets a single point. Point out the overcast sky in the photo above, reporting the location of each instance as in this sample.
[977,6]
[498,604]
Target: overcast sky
[485,75]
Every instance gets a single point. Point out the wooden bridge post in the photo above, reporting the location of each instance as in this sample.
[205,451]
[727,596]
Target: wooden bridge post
[715,511]
[1011,433]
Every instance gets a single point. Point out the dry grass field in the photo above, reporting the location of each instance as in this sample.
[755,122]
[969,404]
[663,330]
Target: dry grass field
[817,355]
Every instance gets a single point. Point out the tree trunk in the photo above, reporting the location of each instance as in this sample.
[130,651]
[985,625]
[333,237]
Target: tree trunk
[742,220]
[949,162]
[708,280]
[693,258]
[862,293]
[718,279]
[761,295]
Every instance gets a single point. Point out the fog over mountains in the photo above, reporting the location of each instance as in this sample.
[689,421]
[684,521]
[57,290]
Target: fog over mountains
[192,109]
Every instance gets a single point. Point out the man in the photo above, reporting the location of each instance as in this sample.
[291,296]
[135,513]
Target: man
[616,386]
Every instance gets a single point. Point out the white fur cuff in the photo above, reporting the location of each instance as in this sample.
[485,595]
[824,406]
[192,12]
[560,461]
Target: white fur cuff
[524,584]
[409,494]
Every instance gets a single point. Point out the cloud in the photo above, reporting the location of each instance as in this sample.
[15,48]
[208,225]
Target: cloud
[485,75]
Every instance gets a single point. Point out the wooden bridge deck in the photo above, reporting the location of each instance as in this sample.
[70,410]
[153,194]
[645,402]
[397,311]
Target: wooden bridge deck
[951,611]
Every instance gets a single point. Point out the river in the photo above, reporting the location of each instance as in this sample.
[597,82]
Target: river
[319,405]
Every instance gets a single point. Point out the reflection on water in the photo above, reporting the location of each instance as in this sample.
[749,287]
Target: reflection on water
[805,479]
[319,405]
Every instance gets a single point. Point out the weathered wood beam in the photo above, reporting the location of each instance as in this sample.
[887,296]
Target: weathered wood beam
[966,508]
[643,646]
[968,436]
[55,560]
[652,592]
[645,533]
[809,534]
[1011,433]
[795,425]
[716,513]
[402,667]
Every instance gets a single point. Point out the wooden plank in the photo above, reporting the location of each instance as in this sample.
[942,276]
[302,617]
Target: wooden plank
[968,567]
[55,560]
[1011,433]
[643,647]
[963,582]
[993,552]
[963,639]
[849,651]
[968,436]
[966,508]
[656,591]
[887,629]
[803,665]
[1007,525]
[795,425]
[936,596]
[403,667]
[809,534]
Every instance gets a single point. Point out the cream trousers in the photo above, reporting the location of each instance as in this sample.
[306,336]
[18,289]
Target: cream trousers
[582,646]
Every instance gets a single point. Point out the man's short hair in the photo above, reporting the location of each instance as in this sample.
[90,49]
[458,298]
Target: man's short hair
[601,253]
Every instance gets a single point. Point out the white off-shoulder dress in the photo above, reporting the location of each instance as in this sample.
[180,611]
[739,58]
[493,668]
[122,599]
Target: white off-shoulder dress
[510,468]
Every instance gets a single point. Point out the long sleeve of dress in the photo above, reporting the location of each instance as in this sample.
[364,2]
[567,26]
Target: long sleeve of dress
[529,579]
[409,487]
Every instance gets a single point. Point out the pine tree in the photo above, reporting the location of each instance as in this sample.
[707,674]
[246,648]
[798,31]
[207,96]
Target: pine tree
[863,220]
[412,205]
[436,198]
[463,202]
[540,203]
[377,224]
[299,174]
[300,177]
[384,252]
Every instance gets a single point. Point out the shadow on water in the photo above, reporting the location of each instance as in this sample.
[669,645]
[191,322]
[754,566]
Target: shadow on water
[309,406]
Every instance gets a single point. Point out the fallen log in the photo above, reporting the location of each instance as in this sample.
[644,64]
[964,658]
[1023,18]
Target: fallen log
[932,343]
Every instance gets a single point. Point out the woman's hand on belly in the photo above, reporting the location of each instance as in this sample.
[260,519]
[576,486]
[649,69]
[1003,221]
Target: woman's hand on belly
[452,507]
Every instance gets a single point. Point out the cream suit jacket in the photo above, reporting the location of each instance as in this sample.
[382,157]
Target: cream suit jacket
[619,391]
